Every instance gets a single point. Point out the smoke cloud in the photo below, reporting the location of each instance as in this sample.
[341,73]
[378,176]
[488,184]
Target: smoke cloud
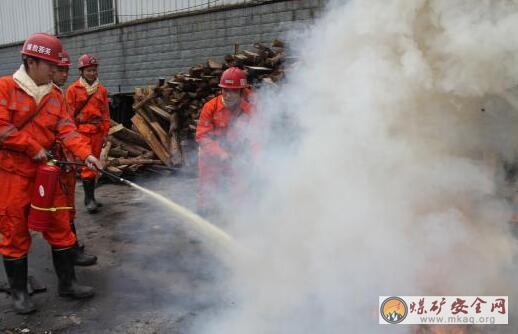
[377,168]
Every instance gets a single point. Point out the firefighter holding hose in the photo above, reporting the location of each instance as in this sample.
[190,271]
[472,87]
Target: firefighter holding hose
[32,117]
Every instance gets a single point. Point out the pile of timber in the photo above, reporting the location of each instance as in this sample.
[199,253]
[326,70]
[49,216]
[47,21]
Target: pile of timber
[126,152]
[166,114]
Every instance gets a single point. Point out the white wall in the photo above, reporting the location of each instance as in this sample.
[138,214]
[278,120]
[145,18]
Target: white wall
[20,18]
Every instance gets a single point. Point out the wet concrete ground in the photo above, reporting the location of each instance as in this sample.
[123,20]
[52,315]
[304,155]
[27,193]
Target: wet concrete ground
[152,276]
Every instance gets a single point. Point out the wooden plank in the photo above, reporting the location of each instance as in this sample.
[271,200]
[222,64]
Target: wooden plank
[145,100]
[160,151]
[118,152]
[127,135]
[212,64]
[175,150]
[114,170]
[133,149]
[133,161]
[159,111]
[155,126]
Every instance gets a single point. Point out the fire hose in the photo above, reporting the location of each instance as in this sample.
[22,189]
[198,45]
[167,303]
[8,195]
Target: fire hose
[82,164]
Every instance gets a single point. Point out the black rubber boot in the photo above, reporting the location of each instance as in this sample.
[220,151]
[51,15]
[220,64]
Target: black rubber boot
[67,285]
[89,188]
[81,258]
[16,270]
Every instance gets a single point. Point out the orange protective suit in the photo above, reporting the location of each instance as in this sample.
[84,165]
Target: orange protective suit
[17,169]
[92,121]
[219,132]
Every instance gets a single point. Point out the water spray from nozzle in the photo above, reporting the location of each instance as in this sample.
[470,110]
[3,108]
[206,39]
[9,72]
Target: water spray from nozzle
[201,224]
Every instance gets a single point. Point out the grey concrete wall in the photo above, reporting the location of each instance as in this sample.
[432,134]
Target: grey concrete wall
[137,54]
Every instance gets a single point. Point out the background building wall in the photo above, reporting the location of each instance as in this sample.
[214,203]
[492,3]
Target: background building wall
[19,18]
[129,10]
[136,54]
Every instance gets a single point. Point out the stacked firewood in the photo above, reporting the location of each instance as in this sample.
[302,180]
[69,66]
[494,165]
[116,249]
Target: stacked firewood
[166,114]
[126,151]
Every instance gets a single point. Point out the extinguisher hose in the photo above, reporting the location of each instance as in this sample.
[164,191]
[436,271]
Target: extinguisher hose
[113,176]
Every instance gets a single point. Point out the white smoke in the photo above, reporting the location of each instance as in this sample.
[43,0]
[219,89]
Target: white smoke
[377,174]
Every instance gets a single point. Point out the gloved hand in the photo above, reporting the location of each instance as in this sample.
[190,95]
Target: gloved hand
[41,155]
[93,163]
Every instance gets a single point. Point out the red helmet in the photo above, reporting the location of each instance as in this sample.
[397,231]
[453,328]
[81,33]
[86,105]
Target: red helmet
[43,46]
[233,78]
[64,61]
[87,60]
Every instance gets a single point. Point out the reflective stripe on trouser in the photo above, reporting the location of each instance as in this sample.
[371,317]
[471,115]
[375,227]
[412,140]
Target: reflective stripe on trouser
[95,140]
[15,193]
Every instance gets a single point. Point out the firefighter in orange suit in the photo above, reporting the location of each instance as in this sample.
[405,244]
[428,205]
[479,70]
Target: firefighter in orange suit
[217,134]
[32,116]
[88,102]
[67,177]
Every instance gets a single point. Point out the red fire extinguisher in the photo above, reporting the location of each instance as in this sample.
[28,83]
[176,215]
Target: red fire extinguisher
[42,201]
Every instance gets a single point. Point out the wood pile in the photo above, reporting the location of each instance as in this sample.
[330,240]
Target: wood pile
[166,114]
